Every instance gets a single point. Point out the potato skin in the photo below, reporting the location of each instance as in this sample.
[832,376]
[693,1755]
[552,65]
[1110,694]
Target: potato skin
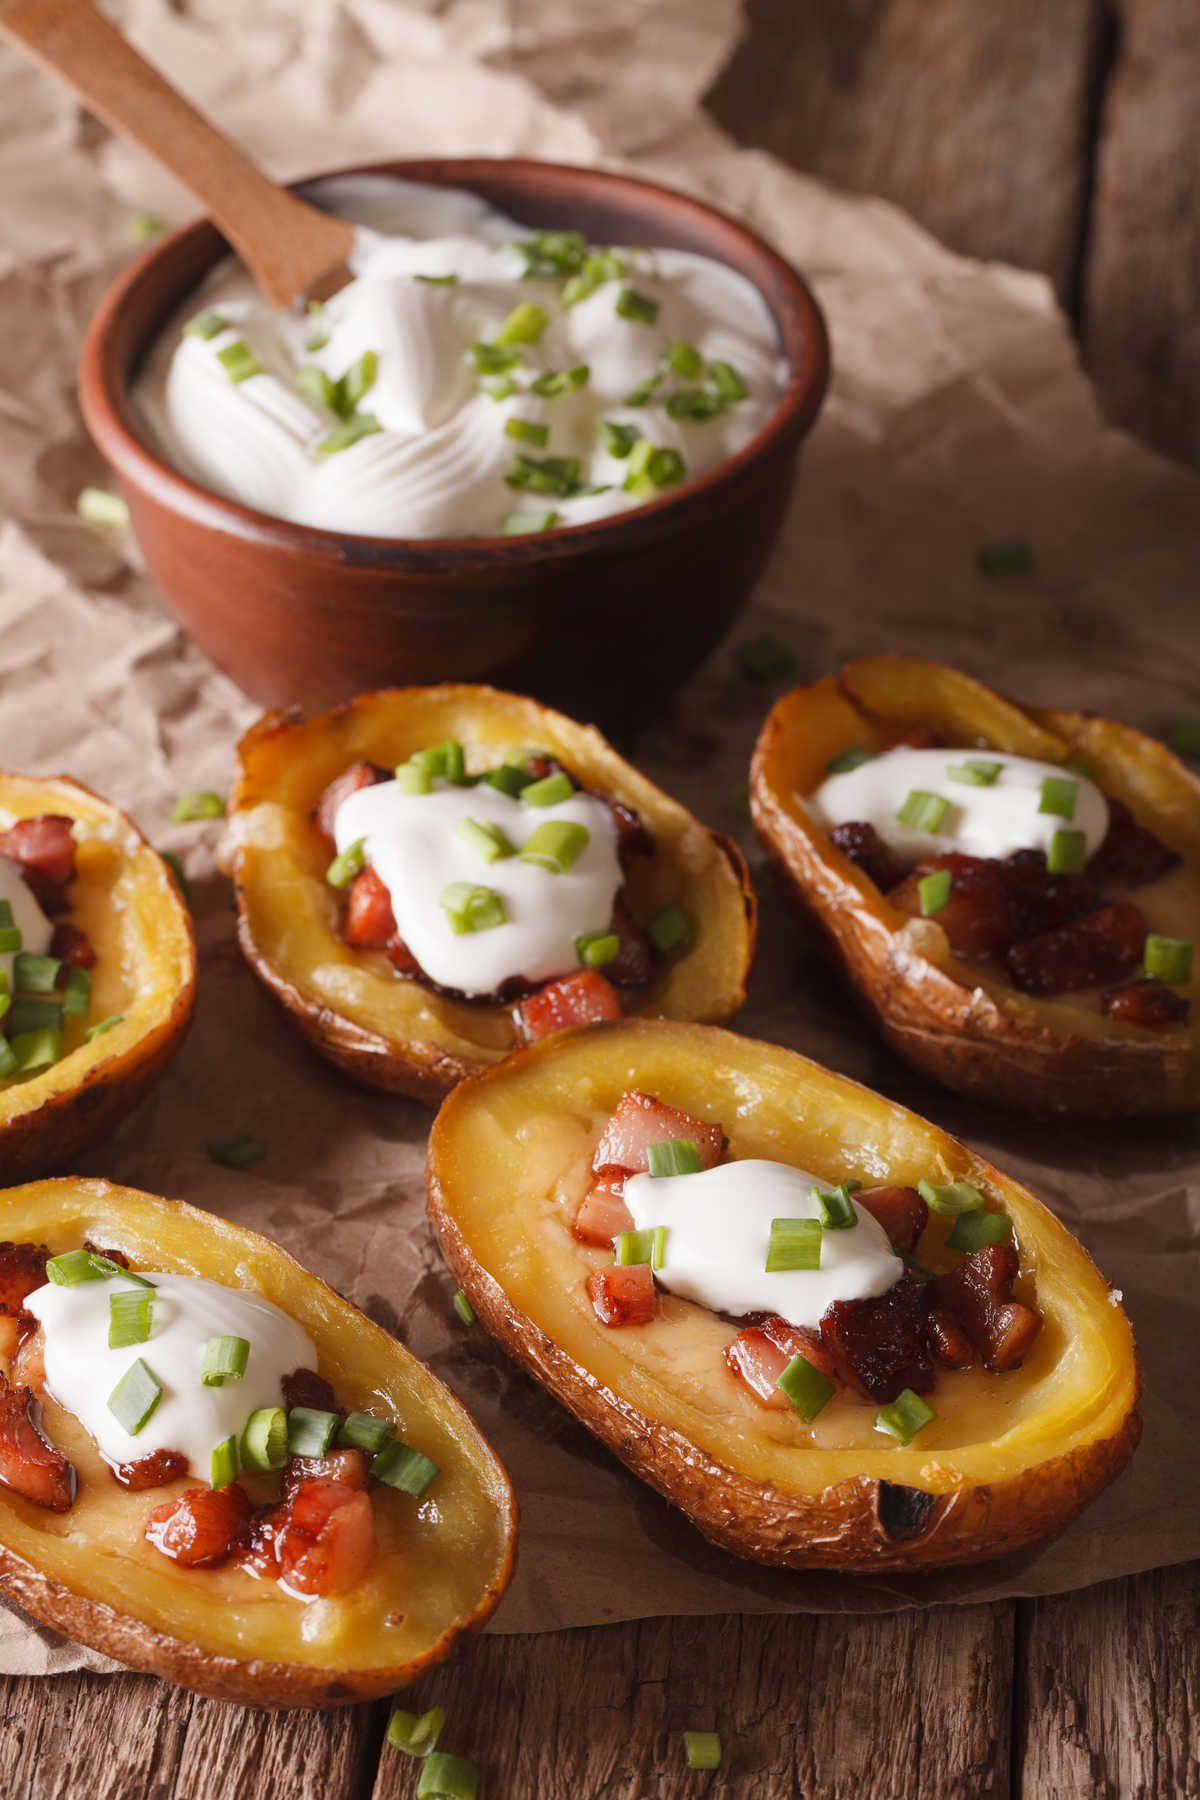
[999,1046]
[285,762]
[80,1100]
[863,1523]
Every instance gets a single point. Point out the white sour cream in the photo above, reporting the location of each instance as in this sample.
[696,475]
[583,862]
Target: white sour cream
[718,1229]
[411,842]
[28,917]
[437,467]
[187,1310]
[990,821]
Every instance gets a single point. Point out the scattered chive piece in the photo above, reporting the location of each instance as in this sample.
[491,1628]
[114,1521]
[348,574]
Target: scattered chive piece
[412,779]
[400,1467]
[808,1390]
[128,1317]
[317,341]
[176,867]
[974,772]
[100,507]
[8,1060]
[845,760]
[1010,556]
[77,996]
[595,949]
[836,1207]
[206,325]
[952,1199]
[416,1733]
[670,930]
[553,383]
[1058,797]
[236,1152]
[363,1431]
[524,324]
[265,1440]
[437,280]
[907,1415]
[5,994]
[694,403]
[508,779]
[794,1244]
[933,890]
[74,1266]
[487,841]
[357,382]
[1167,958]
[225,1359]
[549,791]
[923,811]
[500,386]
[494,359]
[347,433]
[556,845]
[766,659]
[135,1397]
[224,1463]
[310,1431]
[35,974]
[318,387]
[34,1012]
[526,524]
[144,227]
[973,1230]
[636,306]
[684,359]
[189,808]
[675,1156]
[102,1026]
[739,800]
[239,361]
[1067,852]
[658,1254]
[634,1247]
[446,1777]
[106,1267]
[728,382]
[645,390]
[651,468]
[10,933]
[618,439]
[347,865]
[702,1749]
[527,431]
[470,907]
[463,1308]
[445,759]
[37,1049]
[557,475]
[1184,737]
[550,255]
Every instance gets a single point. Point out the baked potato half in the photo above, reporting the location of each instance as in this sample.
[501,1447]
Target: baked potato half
[399,1034]
[963,1022]
[126,903]
[441,1566]
[1009,1459]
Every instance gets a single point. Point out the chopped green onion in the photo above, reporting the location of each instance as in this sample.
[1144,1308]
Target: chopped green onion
[808,1390]
[347,865]
[636,306]
[556,845]
[634,1247]
[973,1230]
[974,772]
[357,382]
[10,933]
[651,468]
[951,1200]
[8,1061]
[520,524]
[670,930]
[766,659]
[135,1397]
[224,1463]
[437,280]
[527,431]
[176,867]
[34,1012]
[99,507]
[144,227]
[595,949]
[347,433]
[74,1266]
[500,386]
[549,791]
[487,841]
[236,1152]
[1167,958]
[463,1308]
[923,811]
[684,359]
[445,760]
[225,1359]
[363,1431]
[524,324]
[1067,853]
[399,1467]
[265,1440]
[618,439]
[37,1049]
[318,387]
[702,1749]
[316,342]
[1184,737]
[446,1777]
[933,891]
[310,1431]
[694,403]
[1011,556]
[907,1415]
[470,907]
[102,1027]
[412,779]
[835,1206]
[416,1734]
[728,382]
[739,800]
[675,1156]
[206,325]
[846,760]
[557,475]
[239,361]
[645,390]
[555,382]
[1058,797]
[77,995]
[128,1317]
[35,974]
[549,255]
[1077,768]
[191,807]
[794,1244]
[494,359]
[508,779]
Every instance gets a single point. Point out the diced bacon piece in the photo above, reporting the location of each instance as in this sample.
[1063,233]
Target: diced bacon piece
[879,1345]
[72,946]
[325,1541]
[918,737]
[1148,1003]
[580,999]
[1090,952]
[975,917]
[759,1355]
[368,923]
[22,1268]
[640,1121]
[949,1342]
[622,1296]
[900,1210]
[402,958]
[977,1296]
[349,1467]
[604,1212]
[1039,901]
[44,851]
[29,1465]
[304,1387]
[202,1527]
[151,1471]
[633,840]
[1130,854]
[868,852]
[358,775]
[634,962]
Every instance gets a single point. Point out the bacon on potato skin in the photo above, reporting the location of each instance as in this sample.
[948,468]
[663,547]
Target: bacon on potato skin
[349,1467]
[1093,951]
[319,1540]
[151,1471]
[358,775]
[22,1269]
[622,1295]
[304,1387]
[1149,1003]
[639,1121]
[1130,855]
[44,851]
[580,999]
[759,1354]
[1039,901]
[975,917]
[603,1212]
[202,1527]
[368,922]
[977,1296]
[72,946]
[864,847]
[879,1346]
[901,1212]
[633,964]
[949,1342]
[29,1464]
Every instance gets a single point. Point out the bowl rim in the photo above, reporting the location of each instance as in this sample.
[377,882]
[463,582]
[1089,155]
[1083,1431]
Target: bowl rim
[105,399]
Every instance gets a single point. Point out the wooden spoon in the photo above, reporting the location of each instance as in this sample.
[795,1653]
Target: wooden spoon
[289,247]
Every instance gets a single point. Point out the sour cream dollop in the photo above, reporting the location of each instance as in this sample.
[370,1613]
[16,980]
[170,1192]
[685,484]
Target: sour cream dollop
[447,276]
[718,1230]
[28,917]
[987,820]
[186,1310]
[413,844]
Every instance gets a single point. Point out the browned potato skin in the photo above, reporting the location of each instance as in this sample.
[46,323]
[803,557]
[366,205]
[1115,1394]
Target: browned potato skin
[425,1070]
[1008,1048]
[863,1524]
[88,1094]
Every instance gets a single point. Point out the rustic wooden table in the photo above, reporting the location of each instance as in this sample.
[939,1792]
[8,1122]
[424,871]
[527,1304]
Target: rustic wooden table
[1059,136]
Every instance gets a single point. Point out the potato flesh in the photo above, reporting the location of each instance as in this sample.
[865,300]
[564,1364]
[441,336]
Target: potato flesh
[436,1557]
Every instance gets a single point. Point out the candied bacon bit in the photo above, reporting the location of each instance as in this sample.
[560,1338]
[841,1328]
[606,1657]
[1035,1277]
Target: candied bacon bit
[117,1256]
[22,1269]
[603,1213]
[349,1467]
[634,961]
[622,1295]
[633,840]
[151,1471]
[975,917]
[1039,901]
[29,1464]
[44,851]
[319,1540]
[878,1346]
[900,1210]
[402,958]
[1149,1003]
[949,1342]
[358,775]
[868,852]
[1102,947]
[304,1387]
[368,922]
[575,1000]
[759,1355]
[1130,855]
[202,1527]
[977,1296]
[72,946]
[639,1121]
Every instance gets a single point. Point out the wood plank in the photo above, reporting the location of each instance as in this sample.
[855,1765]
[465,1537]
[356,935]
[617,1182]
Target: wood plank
[890,1706]
[1109,1698]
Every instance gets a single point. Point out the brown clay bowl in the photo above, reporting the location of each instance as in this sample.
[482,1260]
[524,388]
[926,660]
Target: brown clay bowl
[303,616]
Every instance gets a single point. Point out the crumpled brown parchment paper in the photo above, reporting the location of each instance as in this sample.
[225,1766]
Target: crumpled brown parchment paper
[958,415]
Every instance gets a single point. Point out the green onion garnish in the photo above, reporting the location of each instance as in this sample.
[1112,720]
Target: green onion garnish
[487,841]
[645,390]
[8,1061]
[694,403]
[524,324]
[236,1152]
[974,772]
[494,359]
[144,227]
[77,995]
[363,1431]
[549,791]
[973,1230]
[135,1397]
[37,1049]
[933,891]
[318,387]
[357,382]
[34,1012]
[310,1431]
[400,1467]
[907,1415]
[347,433]
[499,387]
[555,382]
[808,1390]
[728,382]
[1167,958]
[445,760]
[739,800]
[684,359]
[437,280]
[597,948]
[766,659]
[618,439]
[74,1266]
[637,1246]
[412,779]
[845,760]
[102,1026]
[1058,797]
[463,1308]
[702,1749]
[1011,556]
[794,1244]
[923,811]
[651,468]
[527,431]
[636,306]
[206,325]
[5,994]
[10,933]
[128,1317]
[191,807]
[225,1359]
[35,974]
[470,907]
[224,1463]
[508,779]
[670,930]
[239,361]
[835,1206]
[550,255]
[676,1156]
[316,342]
[557,475]
[415,1733]
[521,524]
[265,1439]
[445,1777]
[951,1200]
[556,845]
[97,506]
[344,868]
[1184,737]
[1067,853]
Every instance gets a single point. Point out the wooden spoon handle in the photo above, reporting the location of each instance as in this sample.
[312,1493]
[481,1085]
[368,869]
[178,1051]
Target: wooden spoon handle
[287,244]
